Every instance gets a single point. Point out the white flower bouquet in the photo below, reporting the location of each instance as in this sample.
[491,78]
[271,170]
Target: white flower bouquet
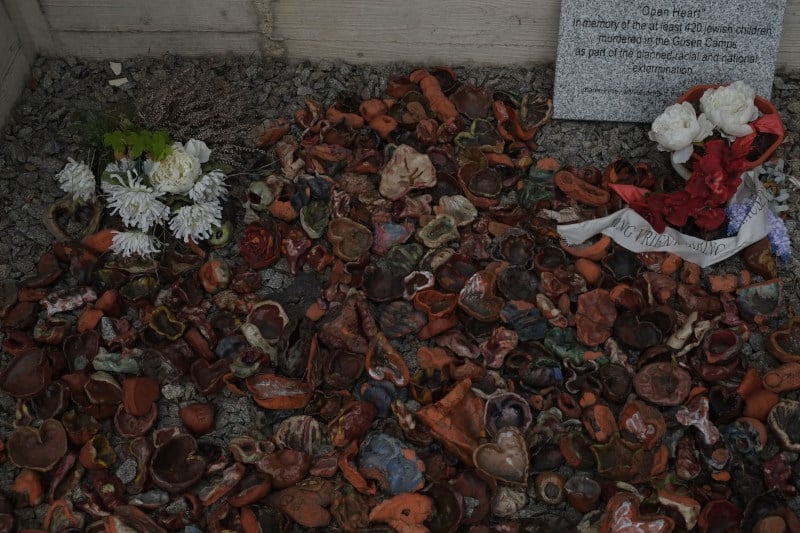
[153,185]
[732,112]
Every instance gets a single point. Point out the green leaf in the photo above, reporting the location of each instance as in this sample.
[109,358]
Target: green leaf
[116,140]
[160,145]
[137,143]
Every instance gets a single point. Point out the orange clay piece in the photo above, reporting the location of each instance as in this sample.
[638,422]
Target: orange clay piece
[334,116]
[580,190]
[671,264]
[759,403]
[660,461]
[722,282]
[751,382]
[28,486]
[372,108]
[599,422]
[438,358]
[696,391]
[595,251]
[351,474]
[66,516]
[315,311]
[690,273]
[497,228]
[27,294]
[784,378]
[109,302]
[498,159]
[89,319]
[283,210]
[587,398]
[405,513]
[384,125]
[589,270]
[590,355]
[198,343]
[437,326]
[723,477]
[548,163]
[536,401]
[100,241]
[744,278]
[440,104]
[248,520]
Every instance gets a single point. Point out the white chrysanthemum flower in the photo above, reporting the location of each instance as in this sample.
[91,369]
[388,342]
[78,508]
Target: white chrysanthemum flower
[78,180]
[121,166]
[209,188]
[177,172]
[197,221]
[137,204]
[130,243]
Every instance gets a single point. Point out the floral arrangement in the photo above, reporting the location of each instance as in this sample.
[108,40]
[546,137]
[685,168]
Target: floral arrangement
[153,184]
[713,181]
[724,132]
[729,111]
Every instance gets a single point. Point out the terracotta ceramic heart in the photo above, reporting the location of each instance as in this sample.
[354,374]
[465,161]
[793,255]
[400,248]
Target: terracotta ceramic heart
[505,459]
[784,344]
[622,514]
[38,449]
[350,240]
[66,207]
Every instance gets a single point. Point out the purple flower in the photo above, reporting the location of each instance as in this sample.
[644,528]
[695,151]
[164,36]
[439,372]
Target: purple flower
[736,216]
[779,238]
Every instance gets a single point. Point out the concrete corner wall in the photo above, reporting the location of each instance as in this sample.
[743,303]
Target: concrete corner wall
[491,32]
[16,58]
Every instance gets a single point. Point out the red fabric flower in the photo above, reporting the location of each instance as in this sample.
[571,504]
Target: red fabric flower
[717,174]
[709,217]
[259,247]
[651,213]
[675,207]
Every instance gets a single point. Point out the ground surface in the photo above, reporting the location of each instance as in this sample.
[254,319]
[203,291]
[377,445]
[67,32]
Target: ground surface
[42,134]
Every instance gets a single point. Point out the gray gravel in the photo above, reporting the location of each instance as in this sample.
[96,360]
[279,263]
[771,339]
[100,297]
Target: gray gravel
[41,134]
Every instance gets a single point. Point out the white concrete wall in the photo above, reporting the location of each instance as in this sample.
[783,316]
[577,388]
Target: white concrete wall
[418,31]
[15,62]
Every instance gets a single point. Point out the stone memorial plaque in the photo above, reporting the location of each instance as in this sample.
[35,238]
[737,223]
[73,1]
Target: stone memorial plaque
[627,61]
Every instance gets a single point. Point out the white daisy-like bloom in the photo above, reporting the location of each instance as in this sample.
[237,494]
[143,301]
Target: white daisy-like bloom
[137,204]
[211,187]
[196,221]
[78,180]
[121,166]
[128,243]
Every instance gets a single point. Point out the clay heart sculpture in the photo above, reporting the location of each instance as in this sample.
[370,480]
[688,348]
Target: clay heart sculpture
[505,459]
[477,298]
[622,516]
[38,449]
[277,392]
[406,170]
[66,207]
[784,344]
[350,240]
[27,374]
